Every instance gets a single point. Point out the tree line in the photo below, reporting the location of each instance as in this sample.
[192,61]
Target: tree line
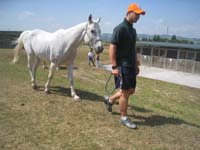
[173,39]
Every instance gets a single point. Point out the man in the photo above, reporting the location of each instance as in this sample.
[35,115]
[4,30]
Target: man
[124,62]
[98,65]
[91,57]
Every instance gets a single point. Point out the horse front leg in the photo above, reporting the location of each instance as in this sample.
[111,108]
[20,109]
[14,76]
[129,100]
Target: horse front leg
[44,65]
[52,69]
[71,80]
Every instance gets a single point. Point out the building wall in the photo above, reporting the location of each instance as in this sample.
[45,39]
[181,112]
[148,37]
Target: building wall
[170,58]
[7,38]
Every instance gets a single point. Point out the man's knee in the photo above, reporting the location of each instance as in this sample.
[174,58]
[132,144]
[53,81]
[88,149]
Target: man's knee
[127,93]
[131,91]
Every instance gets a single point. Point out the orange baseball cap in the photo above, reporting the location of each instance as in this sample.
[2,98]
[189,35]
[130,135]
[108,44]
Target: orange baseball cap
[134,7]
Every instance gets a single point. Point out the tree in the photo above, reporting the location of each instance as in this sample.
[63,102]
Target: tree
[144,39]
[173,38]
[156,38]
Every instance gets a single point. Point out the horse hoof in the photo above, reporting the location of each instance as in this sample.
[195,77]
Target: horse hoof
[44,67]
[47,92]
[35,87]
[76,97]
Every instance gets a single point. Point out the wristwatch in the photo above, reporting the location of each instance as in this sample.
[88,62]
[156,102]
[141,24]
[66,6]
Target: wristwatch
[114,67]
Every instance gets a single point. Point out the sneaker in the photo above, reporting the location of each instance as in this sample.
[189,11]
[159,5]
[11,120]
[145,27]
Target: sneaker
[108,104]
[128,123]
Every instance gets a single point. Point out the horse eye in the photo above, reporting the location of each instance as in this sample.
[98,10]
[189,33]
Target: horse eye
[92,31]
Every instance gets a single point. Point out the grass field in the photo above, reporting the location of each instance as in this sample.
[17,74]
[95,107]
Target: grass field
[168,115]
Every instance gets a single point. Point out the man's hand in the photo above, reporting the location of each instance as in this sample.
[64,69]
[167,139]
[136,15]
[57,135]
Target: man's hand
[137,70]
[115,72]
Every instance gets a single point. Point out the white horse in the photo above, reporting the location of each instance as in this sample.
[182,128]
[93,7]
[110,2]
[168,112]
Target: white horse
[58,47]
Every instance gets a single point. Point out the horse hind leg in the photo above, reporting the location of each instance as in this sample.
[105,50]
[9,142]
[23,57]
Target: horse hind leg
[30,68]
[52,69]
[34,68]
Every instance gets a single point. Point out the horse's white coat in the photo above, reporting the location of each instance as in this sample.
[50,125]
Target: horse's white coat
[57,47]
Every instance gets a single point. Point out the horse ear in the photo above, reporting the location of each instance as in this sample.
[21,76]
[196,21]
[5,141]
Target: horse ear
[98,20]
[90,18]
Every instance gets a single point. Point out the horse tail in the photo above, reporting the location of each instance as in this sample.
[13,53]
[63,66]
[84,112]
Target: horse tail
[19,46]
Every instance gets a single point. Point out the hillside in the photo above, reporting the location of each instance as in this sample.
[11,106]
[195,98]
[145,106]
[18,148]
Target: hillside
[168,115]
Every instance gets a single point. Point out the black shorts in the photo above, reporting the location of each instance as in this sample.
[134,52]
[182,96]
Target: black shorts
[127,78]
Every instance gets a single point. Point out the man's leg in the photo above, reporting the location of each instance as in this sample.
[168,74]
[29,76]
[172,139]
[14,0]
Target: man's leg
[88,61]
[123,102]
[123,106]
[115,96]
[92,62]
[110,100]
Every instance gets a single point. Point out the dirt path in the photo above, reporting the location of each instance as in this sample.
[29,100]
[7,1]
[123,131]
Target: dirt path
[182,78]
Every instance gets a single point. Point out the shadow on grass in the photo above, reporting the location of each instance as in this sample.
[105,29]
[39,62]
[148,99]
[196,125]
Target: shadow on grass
[85,95]
[157,120]
[134,108]
[154,120]
[139,109]
[62,67]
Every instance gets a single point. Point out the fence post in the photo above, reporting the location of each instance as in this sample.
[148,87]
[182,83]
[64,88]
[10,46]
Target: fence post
[194,62]
[151,57]
[141,60]
[165,58]
[177,59]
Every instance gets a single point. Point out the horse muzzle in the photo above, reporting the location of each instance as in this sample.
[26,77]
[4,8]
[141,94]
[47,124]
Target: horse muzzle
[99,49]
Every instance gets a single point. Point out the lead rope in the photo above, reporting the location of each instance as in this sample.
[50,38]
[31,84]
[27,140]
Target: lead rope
[117,84]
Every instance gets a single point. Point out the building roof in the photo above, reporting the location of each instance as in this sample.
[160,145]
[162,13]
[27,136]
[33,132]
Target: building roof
[192,47]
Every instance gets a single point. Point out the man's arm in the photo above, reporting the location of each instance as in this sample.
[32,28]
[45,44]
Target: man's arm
[112,55]
[137,63]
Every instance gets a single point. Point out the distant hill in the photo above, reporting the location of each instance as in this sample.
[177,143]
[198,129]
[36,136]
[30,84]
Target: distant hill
[165,36]
[107,36]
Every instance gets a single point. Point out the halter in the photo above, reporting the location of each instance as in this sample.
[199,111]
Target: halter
[90,38]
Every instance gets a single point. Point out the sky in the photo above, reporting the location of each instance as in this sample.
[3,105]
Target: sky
[179,17]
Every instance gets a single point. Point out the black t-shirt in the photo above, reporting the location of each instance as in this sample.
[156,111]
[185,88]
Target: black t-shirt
[124,37]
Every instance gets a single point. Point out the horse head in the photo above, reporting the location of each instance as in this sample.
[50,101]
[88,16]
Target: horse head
[93,35]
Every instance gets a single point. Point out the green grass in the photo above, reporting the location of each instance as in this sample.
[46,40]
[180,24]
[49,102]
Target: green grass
[168,115]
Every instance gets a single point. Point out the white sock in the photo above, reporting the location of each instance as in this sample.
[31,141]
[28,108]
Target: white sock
[124,117]
[110,101]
